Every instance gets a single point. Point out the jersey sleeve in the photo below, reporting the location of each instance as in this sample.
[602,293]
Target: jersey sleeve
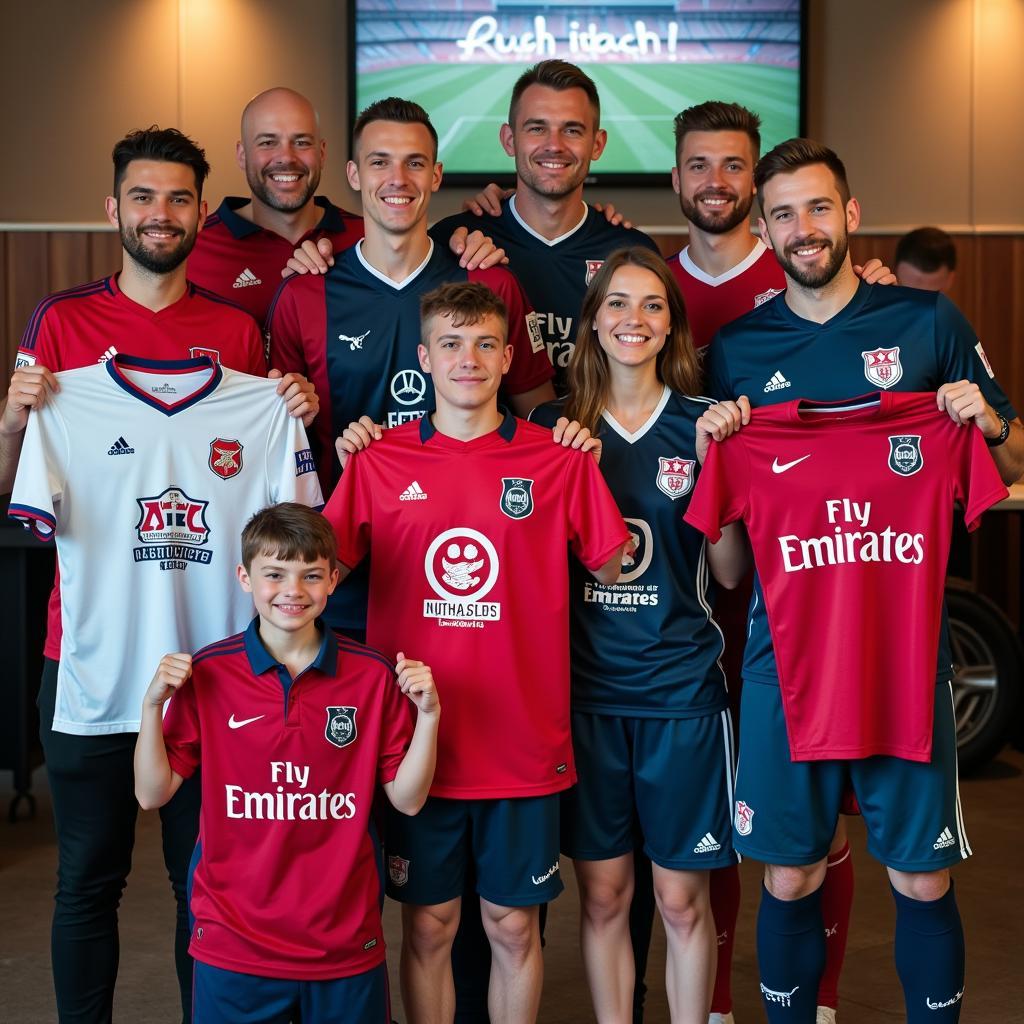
[350,511]
[547,415]
[976,480]
[716,371]
[396,729]
[961,356]
[182,734]
[256,355]
[42,471]
[284,332]
[291,472]
[596,526]
[40,344]
[723,485]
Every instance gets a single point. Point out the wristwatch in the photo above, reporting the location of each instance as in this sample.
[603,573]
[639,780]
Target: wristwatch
[1004,432]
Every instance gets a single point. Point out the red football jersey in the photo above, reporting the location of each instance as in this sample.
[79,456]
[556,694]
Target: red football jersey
[93,322]
[243,262]
[469,573]
[286,885]
[849,509]
[713,302]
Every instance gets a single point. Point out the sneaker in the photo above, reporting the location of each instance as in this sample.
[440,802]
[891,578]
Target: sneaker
[826,1015]
[721,1018]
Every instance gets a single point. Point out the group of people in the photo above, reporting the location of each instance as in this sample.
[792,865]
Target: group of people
[586,708]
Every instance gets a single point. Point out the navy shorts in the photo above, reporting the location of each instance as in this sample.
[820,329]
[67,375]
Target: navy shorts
[668,779]
[786,811]
[220,996]
[511,843]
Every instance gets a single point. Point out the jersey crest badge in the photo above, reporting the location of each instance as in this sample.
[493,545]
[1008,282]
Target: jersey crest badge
[744,818]
[225,457]
[593,266]
[905,458]
[882,367]
[761,298]
[341,726]
[398,870]
[198,351]
[675,476]
[516,497]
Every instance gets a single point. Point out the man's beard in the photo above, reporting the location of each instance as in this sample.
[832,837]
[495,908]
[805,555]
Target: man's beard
[263,191]
[819,276]
[712,223]
[552,189]
[157,262]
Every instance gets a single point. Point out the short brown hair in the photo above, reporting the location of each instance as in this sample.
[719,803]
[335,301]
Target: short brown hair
[466,302]
[291,532]
[793,154]
[393,109]
[718,116]
[559,75]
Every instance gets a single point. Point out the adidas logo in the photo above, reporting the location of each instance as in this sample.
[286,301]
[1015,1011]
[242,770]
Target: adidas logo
[708,844]
[945,839]
[777,382]
[120,447]
[246,279]
[413,493]
[109,354]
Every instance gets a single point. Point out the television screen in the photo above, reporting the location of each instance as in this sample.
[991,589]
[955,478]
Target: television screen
[460,58]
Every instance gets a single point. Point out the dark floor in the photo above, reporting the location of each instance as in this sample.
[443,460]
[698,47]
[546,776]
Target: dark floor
[990,889]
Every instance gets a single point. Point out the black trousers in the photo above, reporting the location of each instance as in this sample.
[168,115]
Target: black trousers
[92,783]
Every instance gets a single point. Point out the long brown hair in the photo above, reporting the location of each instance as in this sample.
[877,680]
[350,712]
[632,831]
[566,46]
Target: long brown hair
[677,365]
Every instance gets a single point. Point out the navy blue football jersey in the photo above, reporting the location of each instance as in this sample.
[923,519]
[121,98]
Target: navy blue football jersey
[647,645]
[886,338]
[554,274]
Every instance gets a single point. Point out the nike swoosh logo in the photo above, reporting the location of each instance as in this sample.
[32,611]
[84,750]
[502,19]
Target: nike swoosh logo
[778,467]
[233,724]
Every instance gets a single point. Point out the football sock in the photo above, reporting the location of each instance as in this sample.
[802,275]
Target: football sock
[836,903]
[791,956]
[930,957]
[725,907]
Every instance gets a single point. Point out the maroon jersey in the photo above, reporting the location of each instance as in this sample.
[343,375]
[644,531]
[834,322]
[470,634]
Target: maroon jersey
[469,571]
[238,259]
[849,508]
[713,302]
[286,884]
[94,322]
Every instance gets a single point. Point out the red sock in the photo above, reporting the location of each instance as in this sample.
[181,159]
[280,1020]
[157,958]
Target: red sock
[725,907]
[836,903]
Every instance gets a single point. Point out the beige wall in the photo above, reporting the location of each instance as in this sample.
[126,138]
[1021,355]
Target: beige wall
[922,99]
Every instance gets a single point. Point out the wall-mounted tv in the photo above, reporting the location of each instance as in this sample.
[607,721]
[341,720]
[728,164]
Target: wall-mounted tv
[460,58]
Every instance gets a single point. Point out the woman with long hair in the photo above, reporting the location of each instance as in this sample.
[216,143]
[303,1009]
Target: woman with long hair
[651,727]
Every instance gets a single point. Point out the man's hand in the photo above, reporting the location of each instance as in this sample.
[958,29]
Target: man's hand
[417,683]
[612,215]
[311,258]
[488,202]
[299,395]
[875,272]
[717,422]
[963,401]
[575,435]
[170,675]
[357,436]
[30,388]
[476,251]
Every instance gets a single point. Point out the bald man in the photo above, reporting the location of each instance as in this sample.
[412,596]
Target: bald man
[245,245]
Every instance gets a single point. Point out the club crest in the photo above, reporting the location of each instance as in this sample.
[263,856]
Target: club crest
[675,476]
[905,457]
[762,297]
[225,457]
[398,870]
[516,497]
[744,818]
[882,366]
[341,726]
[198,351]
[593,266]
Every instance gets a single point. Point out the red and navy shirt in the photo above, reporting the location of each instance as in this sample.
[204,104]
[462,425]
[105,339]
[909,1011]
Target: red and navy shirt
[849,509]
[469,569]
[287,882]
[236,258]
[94,322]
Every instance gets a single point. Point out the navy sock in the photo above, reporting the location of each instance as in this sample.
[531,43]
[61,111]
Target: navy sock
[791,956]
[930,957]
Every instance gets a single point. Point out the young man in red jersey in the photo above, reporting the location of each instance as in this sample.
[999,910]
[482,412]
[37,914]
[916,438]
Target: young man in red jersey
[466,514]
[294,727]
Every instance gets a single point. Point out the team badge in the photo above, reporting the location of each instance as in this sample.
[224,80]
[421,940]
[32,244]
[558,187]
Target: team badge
[341,726]
[882,366]
[905,457]
[199,351]
[763,297]
[593,266]
[516,497]
[744,818]
[398,870]
[675,476]
[225,457]
[172,530]
[24,359]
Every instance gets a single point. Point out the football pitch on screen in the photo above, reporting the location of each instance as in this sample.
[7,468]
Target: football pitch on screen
[468,103]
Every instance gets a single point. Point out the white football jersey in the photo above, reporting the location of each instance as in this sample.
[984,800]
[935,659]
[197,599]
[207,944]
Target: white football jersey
[146,471]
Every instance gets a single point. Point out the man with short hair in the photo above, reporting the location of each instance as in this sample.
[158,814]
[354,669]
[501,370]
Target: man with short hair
[926,258]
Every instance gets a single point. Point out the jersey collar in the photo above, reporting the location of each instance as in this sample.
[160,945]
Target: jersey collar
[644,427]
[241,227]
[506,430]
[548,241]
[171,367]
[261,660]
[741,268]
[398,285]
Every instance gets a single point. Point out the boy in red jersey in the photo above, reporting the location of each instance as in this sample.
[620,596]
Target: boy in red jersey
[466,514]
[294,726]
